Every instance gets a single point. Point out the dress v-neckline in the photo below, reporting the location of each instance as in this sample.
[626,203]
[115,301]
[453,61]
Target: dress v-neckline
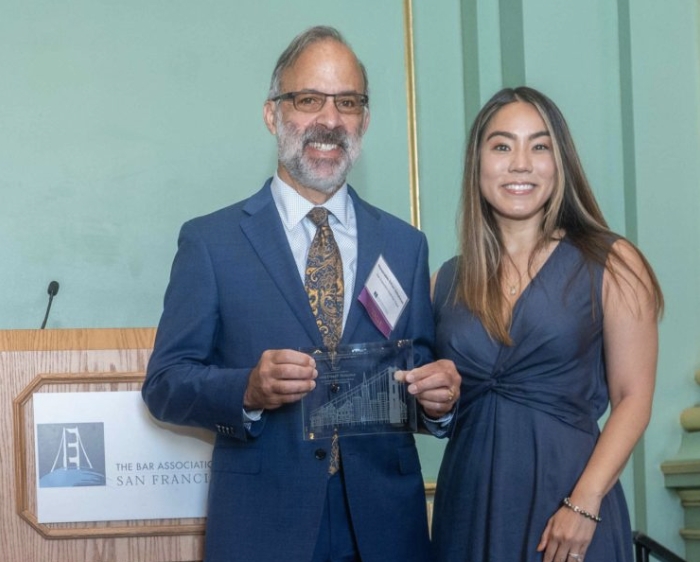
[502,352]
[522,294]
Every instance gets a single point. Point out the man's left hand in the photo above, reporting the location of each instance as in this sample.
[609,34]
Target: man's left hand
[435,386]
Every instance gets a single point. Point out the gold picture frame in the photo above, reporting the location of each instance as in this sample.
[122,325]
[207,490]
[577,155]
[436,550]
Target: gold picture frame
[412,120]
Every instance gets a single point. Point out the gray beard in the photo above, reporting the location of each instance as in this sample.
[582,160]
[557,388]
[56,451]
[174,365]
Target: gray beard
[319,174]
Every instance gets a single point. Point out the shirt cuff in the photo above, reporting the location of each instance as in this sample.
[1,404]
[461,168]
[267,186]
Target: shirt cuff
[253,422]
[252,415]
[438,427]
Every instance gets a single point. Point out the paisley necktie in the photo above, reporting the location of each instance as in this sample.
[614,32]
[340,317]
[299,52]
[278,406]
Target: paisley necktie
[323,281]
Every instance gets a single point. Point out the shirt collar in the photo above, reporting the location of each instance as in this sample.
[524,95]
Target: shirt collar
[293,207]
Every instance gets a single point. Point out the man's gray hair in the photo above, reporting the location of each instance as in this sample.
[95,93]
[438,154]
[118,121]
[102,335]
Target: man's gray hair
[297,47]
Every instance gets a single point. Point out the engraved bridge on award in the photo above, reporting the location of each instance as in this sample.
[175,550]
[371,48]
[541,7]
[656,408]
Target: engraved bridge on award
[377,400]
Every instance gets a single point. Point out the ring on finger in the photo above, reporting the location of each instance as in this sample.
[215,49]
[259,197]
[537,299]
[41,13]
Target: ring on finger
[451,395]
[576,556]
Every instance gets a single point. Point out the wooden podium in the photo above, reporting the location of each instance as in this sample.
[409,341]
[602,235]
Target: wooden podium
[34,361]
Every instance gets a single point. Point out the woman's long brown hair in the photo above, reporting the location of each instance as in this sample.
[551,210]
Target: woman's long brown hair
[571,208]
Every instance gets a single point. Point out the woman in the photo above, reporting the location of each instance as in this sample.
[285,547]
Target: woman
[548,316]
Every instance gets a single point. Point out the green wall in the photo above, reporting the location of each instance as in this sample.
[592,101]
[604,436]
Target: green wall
[441,142]
[665,67]
[122,120]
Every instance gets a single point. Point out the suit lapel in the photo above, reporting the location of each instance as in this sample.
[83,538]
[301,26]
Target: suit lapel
[263,228]
[370,241]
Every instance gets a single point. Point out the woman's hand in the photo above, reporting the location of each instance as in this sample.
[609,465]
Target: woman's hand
[566,537]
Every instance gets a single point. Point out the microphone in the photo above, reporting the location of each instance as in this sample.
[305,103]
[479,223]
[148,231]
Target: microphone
[52,291]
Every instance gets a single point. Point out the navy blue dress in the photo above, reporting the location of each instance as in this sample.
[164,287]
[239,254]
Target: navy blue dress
[527,421]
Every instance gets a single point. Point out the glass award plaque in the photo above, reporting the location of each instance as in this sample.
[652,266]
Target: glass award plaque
[356,393]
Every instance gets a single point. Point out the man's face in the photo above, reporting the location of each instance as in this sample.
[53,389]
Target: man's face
[317,150]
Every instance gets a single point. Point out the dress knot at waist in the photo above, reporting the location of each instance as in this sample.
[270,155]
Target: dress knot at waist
[496,385]
[474,389]
[570,409]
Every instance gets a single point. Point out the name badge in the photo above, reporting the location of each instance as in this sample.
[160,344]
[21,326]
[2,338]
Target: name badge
[383,297]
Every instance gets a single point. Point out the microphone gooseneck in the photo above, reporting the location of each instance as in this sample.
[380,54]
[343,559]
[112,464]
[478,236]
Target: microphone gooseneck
[52,291]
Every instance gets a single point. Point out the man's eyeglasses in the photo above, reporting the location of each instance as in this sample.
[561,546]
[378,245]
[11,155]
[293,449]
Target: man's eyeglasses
[313,102]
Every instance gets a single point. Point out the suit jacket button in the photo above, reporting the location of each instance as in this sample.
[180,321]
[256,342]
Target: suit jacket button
[335,387]
[320,454]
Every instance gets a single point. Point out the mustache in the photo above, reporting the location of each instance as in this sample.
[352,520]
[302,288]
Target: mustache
[318,133]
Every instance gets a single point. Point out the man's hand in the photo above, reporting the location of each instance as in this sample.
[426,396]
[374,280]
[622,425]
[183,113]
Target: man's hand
[435,386]
[280,377]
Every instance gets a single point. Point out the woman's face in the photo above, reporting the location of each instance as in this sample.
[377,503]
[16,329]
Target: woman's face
[518,171]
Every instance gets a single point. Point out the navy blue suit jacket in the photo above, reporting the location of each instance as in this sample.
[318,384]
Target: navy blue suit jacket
[235,292]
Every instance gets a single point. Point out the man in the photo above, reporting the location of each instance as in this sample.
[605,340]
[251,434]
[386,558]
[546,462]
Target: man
[245,296]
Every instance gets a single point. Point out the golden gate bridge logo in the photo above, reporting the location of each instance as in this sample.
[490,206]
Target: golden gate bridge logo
[71,455]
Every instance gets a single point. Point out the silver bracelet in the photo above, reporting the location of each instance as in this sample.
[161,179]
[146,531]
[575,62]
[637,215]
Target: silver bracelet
[577,509]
